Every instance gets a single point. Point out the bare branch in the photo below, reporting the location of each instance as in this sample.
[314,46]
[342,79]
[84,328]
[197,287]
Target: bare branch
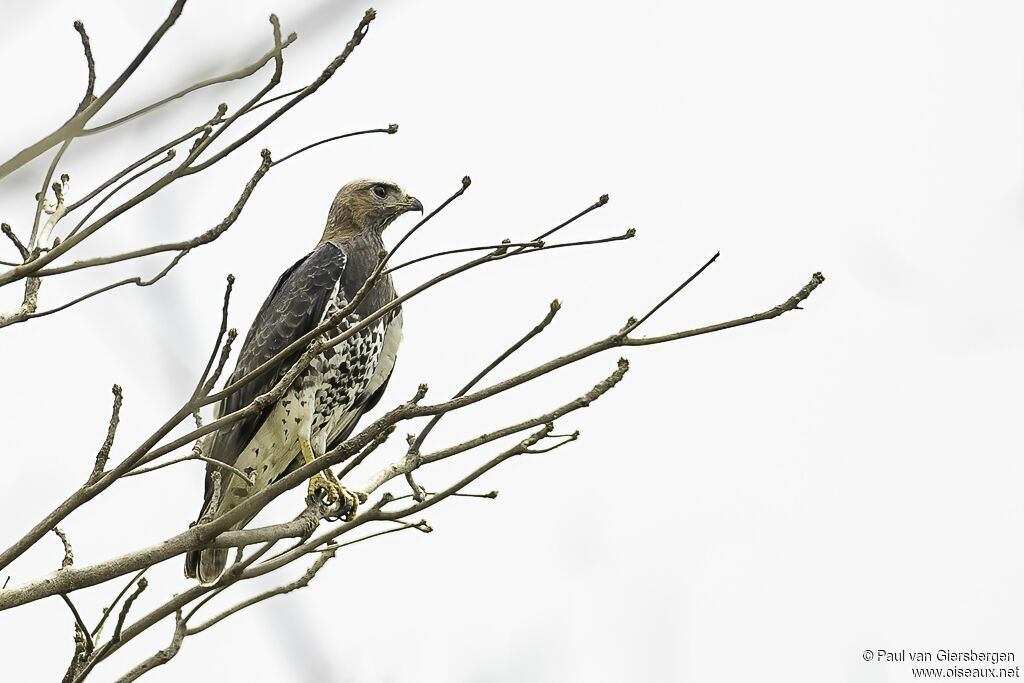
[601,201]
[633,324]
[201,533]
[247,478]
[466,182]
[161,657]
[301,582]
[79,624]
[336,63]
[238,74]
[104,453]
[41,203]
[224,355]
[419,526]
[413,459]
[75,125]
[377,513]
[137,280]
[215,120]
[108,610]
[69,557]
[167,158]
[80,657]
[464,250]
[791,304]
[271,100]
[553,309]
[22,250]
[186,246]
[209,136]
[90,64]
[582,402]
[390,130]
[183,246]
[140,586]
[220,335]
[29,302]
[300,527]
[374,445]
[231,575]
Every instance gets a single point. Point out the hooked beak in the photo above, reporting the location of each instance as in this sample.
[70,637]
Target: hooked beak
[413,204]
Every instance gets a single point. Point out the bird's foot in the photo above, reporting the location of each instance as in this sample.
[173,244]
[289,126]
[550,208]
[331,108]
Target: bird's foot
[325,487]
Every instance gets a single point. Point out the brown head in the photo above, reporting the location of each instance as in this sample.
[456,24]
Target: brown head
[365,205]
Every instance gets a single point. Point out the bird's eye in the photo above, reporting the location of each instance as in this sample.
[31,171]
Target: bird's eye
[380,191]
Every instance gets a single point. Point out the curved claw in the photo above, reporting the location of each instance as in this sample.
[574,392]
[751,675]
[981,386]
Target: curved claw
[330,492]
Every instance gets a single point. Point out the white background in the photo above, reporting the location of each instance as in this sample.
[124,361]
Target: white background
[761,504]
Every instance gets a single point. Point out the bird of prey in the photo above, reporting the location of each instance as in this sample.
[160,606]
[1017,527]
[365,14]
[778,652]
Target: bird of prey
[322,405]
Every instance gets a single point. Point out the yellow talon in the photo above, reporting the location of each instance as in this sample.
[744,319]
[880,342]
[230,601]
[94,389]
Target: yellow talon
[325,487]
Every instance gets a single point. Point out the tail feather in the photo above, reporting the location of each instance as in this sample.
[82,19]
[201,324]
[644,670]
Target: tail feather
[206,565]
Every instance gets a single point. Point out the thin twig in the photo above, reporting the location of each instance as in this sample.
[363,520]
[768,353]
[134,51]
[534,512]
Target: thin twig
[491,496]
[601,201]
[90,64]
[273,99]
[29,303]
[419,526]
[220,334]
[209,136]
[791,304]
[413,459]
[466,182]
[205,238]
[464,250]
[162,656]
[104,453]
[233,574]
[392,129]
[69,557]
[225,353]
[22,250]
[328,72]
[553,309]
[79,624]
[139,587]
[301,582]
[374,445]
[247,478]
[34,240]
[75,125]
[199,240]
[238,74]
[215,120]
[107,610]
[167,158]
[633,324]
[137,280]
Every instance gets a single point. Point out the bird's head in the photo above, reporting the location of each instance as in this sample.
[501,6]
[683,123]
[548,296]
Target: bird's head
[365,205]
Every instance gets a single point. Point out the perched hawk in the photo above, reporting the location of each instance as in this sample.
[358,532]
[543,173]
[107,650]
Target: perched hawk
[326,400]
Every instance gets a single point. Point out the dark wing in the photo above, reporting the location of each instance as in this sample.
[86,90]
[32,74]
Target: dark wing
[295,306]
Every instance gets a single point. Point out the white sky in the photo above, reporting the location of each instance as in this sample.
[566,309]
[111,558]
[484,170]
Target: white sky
[763,504]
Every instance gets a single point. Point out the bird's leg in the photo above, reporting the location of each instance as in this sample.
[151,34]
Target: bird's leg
[325,486]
